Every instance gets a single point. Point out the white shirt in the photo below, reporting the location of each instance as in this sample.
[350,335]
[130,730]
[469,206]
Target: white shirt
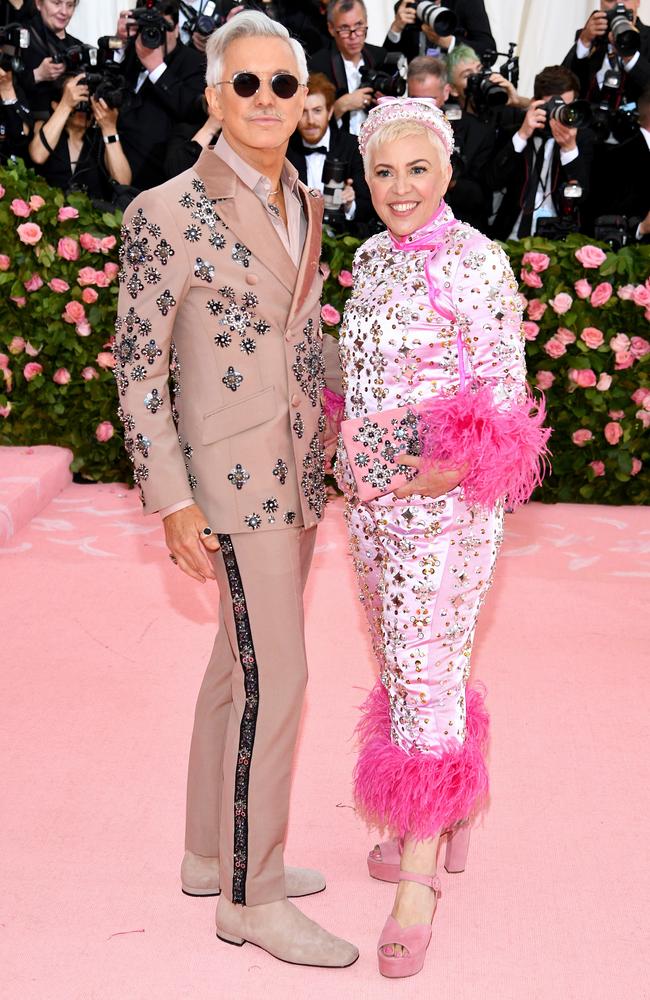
[185,35]
[353,77]
[315,165]
[582,52]
[154,75]
[544,207]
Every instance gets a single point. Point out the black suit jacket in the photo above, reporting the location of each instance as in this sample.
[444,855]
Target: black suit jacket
[620,181]
[510,170]
[43,43]
[634,82]
[147,118]
[343,146]
[330,62]
[468,195]
[473,30]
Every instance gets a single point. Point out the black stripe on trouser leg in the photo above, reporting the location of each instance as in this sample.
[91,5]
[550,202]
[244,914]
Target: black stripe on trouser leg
[248,720]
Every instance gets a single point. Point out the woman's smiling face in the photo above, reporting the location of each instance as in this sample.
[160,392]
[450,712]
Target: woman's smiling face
[407,181]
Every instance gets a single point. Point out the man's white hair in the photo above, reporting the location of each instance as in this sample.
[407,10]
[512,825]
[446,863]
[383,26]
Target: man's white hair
[249,24]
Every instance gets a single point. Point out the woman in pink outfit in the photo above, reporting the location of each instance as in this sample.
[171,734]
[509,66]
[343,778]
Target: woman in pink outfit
[434,307]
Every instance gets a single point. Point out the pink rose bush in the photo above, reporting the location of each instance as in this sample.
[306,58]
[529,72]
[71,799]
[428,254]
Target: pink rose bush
[530,329]
[598,468]
[345,279]
[554,348]
[601,294]
[536,309]
[32,370]
[537,261]
[104,431]
[330,315]
[67,212]
[58,285]
[34,283]
[30,233]
[565,336]
[613,432]
[73,313]
[581,436]
[544,380]
[561,303]
[584,378]
[591,256]
[67,248]
[20,208]
[604,382]
[582,288]
[531,278]
[62,376]
[592,337]
[5,262]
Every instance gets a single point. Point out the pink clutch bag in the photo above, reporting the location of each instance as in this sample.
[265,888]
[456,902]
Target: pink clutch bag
[372,444]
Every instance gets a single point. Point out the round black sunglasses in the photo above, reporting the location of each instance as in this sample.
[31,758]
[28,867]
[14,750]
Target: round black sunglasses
[283,85]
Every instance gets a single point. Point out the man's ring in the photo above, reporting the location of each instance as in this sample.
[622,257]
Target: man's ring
[207,532]
[173,558]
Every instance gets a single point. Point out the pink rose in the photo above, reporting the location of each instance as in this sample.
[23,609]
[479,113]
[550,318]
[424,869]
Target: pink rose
[565,336]
[34,283]
[613,432]
[593,337]
[74,312]
[637,465]
[554,348]
[346,279]
[107,243]
[583,377]
[639,347]
[19,300]
[641,296]
[530,330]
[31,370]
[86,276]
[625,292]
[581,437]
[4,362]
[58,285]
[616,414]
[544,380]
[111,270]
[20,208]
[561,303]
[5,262]
[68,248]
[91,243]
[536,309]
[330,315]
[5,410]
[640,395]
[644,417]
[61,376]
[29,233]
[531,278]
[602,293]
[36,202]
[105,359]
[590,256]
[89,295]
[2,191]
[16,345]
[102,279]
[32,352]
[89,373]
[67,212]
[538,261]
[84,329]
[104,431]
[624,359]
[582,288]
[599,468]
[604,382]
[621,342]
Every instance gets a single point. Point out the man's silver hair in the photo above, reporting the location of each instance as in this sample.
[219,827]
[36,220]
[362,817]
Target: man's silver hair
[249,24]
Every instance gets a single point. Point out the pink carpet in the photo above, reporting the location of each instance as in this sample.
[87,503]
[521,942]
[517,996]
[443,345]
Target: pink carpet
[29,479]
[104,645]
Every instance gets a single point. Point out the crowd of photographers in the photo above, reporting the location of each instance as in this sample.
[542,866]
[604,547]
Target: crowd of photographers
[128,113]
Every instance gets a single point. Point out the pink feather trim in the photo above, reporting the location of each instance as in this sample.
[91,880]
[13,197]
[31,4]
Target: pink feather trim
[419,793]
[333,405]
[504,450]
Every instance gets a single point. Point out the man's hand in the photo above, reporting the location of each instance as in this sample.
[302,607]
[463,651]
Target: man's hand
[358,100]
[48,70]
[514,99]
[441,41]
[595,28]
[187,543]
[535,119]
[644,227]
[122,30]
[150,58]
[199,41]
[347,194]
[404,15]
[105,117]
[74,92]
[564,136]
[434,483]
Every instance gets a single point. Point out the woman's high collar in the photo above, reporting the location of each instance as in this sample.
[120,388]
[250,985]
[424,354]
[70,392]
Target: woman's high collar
[430,234]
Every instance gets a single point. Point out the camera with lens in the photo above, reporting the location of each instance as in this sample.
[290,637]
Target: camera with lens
[577,114]
[481,91]
[568,221]
[107,85]
[627,39]
[440,19]
[389,78]
[101,76]
[609,117]
[612,229]
[13,42]
[149,24]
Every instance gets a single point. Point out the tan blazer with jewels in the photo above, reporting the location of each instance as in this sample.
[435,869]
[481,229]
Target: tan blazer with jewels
[219,353]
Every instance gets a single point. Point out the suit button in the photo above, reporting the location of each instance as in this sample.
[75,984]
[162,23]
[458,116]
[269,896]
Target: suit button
[295,399]
[288,337]
[251,279]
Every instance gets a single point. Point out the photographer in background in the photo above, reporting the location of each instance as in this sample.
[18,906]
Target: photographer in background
[467,194]
[45,58]
[469,80]
[598,50]
[411,38]
[15,118]
[187,142]
[343,60]
[539,158]
[165,84]
[78,147]
[15,11]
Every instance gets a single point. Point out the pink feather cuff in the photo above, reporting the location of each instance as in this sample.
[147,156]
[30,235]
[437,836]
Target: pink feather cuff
[419,793]
[503,450]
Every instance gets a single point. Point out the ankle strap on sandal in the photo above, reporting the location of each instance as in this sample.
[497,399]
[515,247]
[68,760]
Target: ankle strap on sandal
[431,880]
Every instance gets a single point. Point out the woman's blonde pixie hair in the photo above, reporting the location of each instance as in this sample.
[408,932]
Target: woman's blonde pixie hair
[249,24]
[392,131]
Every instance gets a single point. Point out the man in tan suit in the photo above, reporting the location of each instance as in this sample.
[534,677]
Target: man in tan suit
[220,367]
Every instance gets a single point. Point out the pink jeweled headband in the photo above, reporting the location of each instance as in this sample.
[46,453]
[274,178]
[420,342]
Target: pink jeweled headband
[419,109]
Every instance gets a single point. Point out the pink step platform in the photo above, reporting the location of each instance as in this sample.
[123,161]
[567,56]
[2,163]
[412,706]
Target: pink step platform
[29,479]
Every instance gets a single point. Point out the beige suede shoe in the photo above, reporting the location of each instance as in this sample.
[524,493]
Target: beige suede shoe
[284,932]
[200,877]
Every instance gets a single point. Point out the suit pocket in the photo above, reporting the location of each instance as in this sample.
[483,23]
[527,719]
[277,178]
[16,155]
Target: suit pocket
[234,418]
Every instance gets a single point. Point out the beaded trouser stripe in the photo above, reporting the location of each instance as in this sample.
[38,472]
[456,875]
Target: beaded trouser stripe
[248,720]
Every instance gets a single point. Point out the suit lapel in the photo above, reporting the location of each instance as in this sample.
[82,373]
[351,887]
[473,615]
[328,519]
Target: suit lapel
[311,250]
[246,217]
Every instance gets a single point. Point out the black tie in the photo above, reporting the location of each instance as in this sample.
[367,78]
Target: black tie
[529,193]
[315,149]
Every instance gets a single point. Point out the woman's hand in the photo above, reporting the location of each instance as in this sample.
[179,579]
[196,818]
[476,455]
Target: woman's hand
[48,70]
[74,92]
[105,117]
[435,482]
